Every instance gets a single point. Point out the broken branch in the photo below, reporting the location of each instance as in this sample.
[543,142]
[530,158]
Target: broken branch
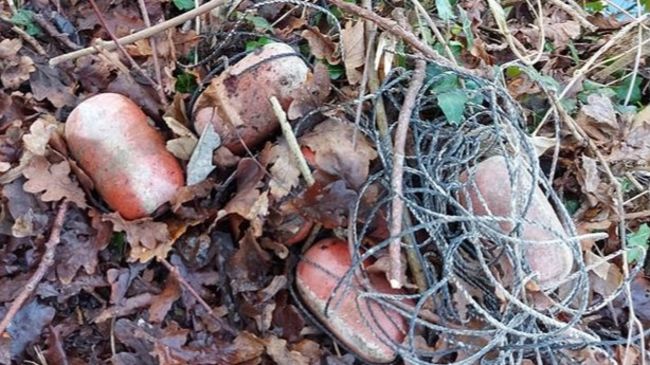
[43,267]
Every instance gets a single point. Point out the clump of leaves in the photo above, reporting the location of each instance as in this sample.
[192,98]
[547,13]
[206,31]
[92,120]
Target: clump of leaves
[25,19]
[185,83]
[184,5]
[256,43]
[637,243]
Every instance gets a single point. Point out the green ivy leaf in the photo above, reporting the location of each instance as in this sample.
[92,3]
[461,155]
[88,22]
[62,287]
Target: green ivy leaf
[184,5]
[453,104]
[445,11]
[637,243]
[335,71]
[185,83]
[595,6]
[25,19]
[622,89]
[255,44]
[259,22]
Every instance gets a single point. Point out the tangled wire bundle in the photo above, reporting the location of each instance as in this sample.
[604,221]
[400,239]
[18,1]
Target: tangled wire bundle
[477,300]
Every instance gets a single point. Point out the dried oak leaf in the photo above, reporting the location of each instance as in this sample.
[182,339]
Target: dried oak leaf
[246,347]
[17,72]
[163,302]
[53,181]
[126,307]
[327,202]
[9,48]
[354,50]
[93,73]
[336,154]
[635,145]
[562,32]
[249,203]
[51,83]
[248,269]
[137,336]
[285,174]
[278,350]
[39,135]
[321,46]
[25,328]
[147,238]
[79,247]
[598,118]
[312,94]
[143,95]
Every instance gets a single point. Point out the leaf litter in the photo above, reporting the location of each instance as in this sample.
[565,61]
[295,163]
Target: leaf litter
[226,234]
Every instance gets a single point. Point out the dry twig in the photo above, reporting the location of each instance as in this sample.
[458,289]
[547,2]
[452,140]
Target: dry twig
[393,27]
[28,38]
[54,33]
[577,15]
[177,274]
[396,279]
[120,47]
[292,142]
[43,267]
[154,51]
[147,32]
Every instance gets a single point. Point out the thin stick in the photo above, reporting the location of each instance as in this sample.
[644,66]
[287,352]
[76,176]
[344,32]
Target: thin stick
[411,255]
[126,54]
[294,147]
[393,27]
[575,14]
[154,50]
[396,279]
[577,75]
[43,267]
[147,32]
[364,82]
[54,33]
[177,274]
[434,28]
[24,35]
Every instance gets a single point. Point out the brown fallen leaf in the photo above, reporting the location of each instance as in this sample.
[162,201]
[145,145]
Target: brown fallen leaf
[321,46]
[354,50]
[562,32]
[332,144]
[250,202]
[594,189]
[598,119]
[25,328]
[93,73]
[248,267]
[52,84]
[146,237]
[312,95]
[327,202]
[14,68]
[163,302]
[127,307]
[79,247]
[285,174]
[143,95]
[9,48]
[635,145]
[39,134]
[17,72]
[53,181]
[279,351]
